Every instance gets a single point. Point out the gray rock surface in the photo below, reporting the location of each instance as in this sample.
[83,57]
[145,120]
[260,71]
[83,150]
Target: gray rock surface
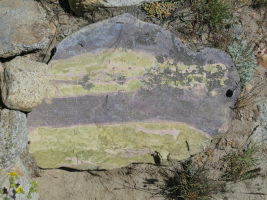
[260,134]
[23,27]
[23,83]
[13,136]
[81,6]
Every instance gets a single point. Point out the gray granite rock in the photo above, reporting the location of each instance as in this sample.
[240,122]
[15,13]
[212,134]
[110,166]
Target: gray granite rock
[13,136]
[122,88]
[23,27]
[23,83]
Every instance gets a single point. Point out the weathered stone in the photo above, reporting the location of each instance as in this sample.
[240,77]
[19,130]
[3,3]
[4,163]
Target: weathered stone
[123,88]
[23,27]
[81,6]
[259,136]
[13,136]
[23,83]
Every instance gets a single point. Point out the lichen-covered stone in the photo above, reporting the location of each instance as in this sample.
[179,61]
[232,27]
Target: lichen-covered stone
[81,6]
[23,27]
[13,136]
[122,88]
[113,145]
[23,83]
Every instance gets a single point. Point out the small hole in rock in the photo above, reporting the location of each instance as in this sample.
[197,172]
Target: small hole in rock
[229,93]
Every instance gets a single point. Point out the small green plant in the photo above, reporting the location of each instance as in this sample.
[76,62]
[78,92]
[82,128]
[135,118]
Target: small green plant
[15,188]
[243,57]
[215,14]
[191,182]
[159,9]
[240,165]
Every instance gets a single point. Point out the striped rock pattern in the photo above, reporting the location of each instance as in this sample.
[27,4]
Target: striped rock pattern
[122,88]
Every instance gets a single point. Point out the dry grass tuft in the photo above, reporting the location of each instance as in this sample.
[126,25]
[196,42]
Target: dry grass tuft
[241,165]
[190,182]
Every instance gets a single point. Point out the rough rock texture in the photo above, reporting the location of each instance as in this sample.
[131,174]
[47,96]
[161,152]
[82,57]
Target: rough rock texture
[252,108]
[13,136]
[23,179]
[23,83]
[122,89]
[81,6]
[23,27]
[260,134]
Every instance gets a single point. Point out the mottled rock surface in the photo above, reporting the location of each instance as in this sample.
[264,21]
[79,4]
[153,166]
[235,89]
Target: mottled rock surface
[123,88]
[23,27]
[260,134]
[13,136]
[81,6]
[23,83]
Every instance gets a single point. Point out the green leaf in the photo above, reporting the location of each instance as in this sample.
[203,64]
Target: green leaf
[29,196]
[11,180]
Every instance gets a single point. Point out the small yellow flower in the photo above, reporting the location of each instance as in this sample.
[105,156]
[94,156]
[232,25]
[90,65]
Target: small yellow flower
[19,190]
[12,174]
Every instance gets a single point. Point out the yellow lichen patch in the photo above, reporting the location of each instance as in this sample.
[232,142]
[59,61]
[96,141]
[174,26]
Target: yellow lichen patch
[214,68]
[114,145]
[108,60]
[183,68]
[103,71]
[223,80]
[116,70]
[160,9]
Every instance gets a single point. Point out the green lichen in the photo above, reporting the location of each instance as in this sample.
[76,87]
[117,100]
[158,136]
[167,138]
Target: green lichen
[124,70]
[243,57]
[180,76]
[102,70]
[214,68]
[113,145]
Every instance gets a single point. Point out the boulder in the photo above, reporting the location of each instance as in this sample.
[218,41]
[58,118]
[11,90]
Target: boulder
[122,89]
[13,136]
[23,27]
[23,83]
[81,6]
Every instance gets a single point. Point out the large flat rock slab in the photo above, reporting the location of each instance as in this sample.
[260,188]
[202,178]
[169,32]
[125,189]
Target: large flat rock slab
[111,77]
[23,27]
